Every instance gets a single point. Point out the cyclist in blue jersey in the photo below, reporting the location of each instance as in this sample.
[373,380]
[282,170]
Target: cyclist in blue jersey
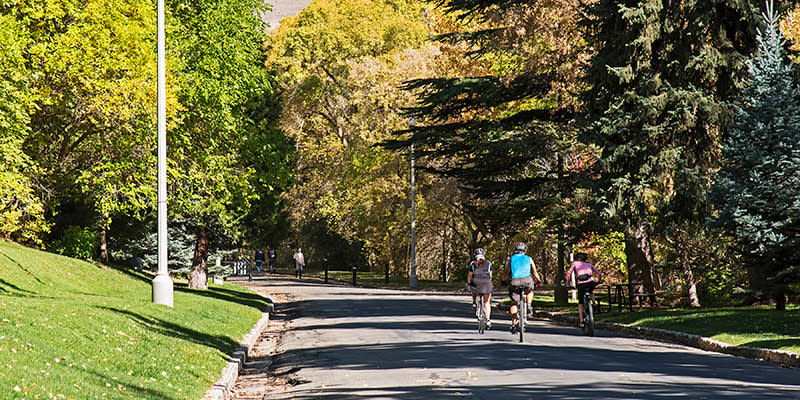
[521,267]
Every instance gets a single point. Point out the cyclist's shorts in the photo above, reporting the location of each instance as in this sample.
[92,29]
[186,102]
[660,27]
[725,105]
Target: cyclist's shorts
[586,287]
[525,283]
[481,286]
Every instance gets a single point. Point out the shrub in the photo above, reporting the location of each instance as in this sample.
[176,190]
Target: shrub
[77,242]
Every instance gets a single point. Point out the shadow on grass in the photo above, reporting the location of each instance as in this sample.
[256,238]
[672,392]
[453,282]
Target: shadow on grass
[222,343]
[774,343]
[254,300]
[14,289]
[135,390]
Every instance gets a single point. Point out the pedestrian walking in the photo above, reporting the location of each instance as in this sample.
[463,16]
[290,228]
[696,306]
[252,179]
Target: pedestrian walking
[272,259]
[259,259]
[299,263]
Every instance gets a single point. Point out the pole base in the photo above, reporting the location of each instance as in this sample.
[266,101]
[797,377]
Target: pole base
[162,290]
[412,281]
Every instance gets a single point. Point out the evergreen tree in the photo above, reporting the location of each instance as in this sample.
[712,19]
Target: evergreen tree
[758,187]
[660,83]
[502,122]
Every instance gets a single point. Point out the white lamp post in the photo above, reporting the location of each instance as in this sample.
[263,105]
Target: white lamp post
[162,284]
[412,278]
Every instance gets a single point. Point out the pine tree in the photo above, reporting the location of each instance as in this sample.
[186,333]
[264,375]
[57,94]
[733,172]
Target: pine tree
[504,126]
[660,82]
[758,187]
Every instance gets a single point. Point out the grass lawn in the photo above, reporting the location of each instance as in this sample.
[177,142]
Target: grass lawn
[757,326]
[75,330]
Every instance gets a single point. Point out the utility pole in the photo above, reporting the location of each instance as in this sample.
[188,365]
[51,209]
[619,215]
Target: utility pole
[412,278]
[162,284]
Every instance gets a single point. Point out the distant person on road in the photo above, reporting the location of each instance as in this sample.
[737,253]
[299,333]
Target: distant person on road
[479,281]
[585,274]
[259,259]
[272,258]
[299,263]
[518,274]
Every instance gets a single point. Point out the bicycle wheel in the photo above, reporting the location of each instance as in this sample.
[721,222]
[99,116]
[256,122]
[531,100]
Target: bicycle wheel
[522,311]
[588,318]
[481,318]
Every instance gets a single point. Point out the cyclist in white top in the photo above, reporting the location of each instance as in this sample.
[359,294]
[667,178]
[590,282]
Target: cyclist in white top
[479,281]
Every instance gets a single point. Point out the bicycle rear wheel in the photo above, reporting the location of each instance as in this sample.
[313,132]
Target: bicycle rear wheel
[588,317]
[481,318]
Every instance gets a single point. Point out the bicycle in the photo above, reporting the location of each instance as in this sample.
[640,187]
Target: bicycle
[483,321]
[522,313]
[588,314]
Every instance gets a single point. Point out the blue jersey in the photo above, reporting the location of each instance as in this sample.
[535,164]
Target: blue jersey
[521,265]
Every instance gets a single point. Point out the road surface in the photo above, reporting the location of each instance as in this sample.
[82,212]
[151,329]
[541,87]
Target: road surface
[344,342]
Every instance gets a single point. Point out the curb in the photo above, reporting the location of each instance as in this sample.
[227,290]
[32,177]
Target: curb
[781,357]
[222,388]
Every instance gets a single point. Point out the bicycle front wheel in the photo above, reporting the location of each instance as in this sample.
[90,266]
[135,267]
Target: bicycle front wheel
[522,310]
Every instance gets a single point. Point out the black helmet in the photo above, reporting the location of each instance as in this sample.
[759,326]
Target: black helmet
[479,253]
[521,247]
[581,257]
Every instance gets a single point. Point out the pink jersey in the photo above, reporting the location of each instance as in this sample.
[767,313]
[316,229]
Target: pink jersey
[583,268]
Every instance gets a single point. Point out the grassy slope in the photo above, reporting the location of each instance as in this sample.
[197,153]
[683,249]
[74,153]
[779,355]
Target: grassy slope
[71,329]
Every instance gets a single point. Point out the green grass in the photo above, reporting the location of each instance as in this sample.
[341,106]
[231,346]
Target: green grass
[748,326]
[756,326]
[72,329]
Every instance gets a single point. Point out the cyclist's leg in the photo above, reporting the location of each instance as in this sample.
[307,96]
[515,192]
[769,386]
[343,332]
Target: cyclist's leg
[486,305]
[581,292]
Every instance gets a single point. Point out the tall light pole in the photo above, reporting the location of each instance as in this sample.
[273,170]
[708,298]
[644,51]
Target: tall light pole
[412,278]
[162,284]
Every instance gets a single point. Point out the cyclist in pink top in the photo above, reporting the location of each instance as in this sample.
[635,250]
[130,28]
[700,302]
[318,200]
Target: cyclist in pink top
[586,277]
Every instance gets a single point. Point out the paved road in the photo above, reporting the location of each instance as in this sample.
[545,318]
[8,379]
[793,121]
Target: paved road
[346,342]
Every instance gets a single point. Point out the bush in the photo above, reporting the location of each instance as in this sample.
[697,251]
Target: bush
[77,242]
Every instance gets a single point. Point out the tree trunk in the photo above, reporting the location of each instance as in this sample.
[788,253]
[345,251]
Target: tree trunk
[104,240]
[683,254]
[198,275]
[640,258]
[560,293]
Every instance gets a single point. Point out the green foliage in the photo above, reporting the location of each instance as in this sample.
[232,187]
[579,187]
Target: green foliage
[77,242]
[221,83]
[660,85]
[758,188]
[21,212]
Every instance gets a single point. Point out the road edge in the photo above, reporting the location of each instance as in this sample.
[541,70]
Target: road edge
[221,390]
[780,357]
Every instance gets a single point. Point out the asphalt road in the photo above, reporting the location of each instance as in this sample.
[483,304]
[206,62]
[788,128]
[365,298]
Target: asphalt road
[346,342]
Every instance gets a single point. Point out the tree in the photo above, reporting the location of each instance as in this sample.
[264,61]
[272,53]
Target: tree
[218,169]
[660,85]
[92,65]
[503,124]
[758,187]
[21,211]
[340,64]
